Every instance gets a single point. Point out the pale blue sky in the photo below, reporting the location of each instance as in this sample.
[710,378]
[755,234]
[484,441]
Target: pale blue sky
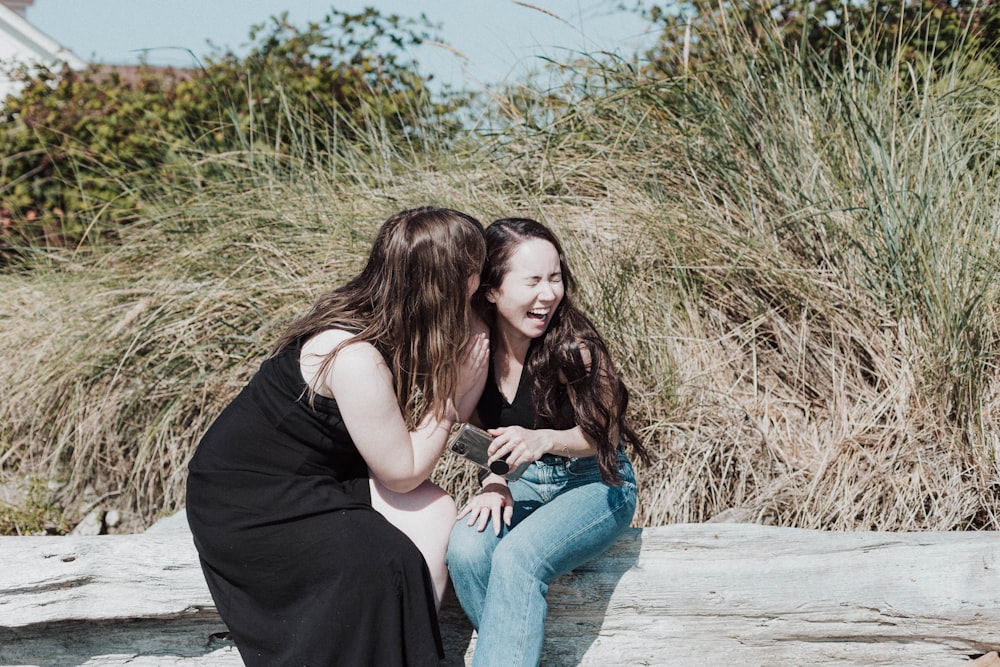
[501,38]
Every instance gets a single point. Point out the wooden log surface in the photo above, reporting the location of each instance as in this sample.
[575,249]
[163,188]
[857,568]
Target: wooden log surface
[672,595]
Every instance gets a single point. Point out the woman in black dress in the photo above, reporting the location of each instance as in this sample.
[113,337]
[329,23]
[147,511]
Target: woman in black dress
[302,568]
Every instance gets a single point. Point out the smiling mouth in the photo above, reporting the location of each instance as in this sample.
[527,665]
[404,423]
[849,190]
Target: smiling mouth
[538,314]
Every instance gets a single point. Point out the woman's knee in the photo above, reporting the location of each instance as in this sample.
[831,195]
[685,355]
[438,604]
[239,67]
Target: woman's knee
[515,557]
[428,499]
[425,514]
[468,547]
[438,512]
[442,503]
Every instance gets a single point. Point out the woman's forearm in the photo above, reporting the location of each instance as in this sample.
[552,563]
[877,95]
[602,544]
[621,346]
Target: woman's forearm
[428,440]
[573,443]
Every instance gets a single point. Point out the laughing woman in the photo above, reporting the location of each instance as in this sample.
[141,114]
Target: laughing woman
[552,398]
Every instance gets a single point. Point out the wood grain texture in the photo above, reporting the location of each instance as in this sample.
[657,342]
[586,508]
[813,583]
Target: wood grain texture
[672,595]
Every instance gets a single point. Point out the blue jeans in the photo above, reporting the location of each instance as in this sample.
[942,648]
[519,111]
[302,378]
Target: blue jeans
[564,515]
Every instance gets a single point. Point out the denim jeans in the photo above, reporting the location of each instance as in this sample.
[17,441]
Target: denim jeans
[564,515]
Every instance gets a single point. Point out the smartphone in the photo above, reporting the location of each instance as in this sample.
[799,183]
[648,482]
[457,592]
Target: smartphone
[473,443]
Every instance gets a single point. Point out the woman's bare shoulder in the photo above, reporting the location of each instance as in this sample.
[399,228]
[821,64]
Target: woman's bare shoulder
[353,358]
[326,341]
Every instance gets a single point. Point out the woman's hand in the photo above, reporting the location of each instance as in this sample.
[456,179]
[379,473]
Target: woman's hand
[518,445]
[472,373]
[493,502]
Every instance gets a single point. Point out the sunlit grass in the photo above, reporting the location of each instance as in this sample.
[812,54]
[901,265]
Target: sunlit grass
[796,271]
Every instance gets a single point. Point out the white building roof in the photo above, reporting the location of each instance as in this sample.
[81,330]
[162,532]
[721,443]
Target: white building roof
[23,43]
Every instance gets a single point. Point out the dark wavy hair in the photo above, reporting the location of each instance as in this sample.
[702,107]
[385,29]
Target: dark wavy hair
[410,302]
[555,360]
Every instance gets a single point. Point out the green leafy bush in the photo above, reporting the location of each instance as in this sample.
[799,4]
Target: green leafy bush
[81,148]
[72,144]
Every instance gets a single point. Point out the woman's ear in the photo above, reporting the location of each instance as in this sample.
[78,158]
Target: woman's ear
[491,296]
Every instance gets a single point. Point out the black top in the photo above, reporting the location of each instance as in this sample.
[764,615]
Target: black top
[495,410]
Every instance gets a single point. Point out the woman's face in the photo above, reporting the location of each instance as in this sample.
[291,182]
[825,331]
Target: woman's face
[531,290]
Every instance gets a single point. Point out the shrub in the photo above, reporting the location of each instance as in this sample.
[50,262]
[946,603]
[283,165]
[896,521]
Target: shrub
[82,148]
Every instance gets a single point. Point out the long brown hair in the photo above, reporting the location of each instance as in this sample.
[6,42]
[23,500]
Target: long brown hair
[555,362]
[410,302]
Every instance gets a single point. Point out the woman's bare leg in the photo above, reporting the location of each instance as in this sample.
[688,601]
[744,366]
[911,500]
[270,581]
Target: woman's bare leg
[426,515]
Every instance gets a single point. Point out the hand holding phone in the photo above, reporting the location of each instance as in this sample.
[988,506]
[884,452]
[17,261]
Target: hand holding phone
[473,443]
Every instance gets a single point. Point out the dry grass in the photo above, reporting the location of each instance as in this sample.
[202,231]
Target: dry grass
[798,282]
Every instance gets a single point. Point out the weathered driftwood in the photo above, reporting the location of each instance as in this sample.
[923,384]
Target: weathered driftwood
[673,595]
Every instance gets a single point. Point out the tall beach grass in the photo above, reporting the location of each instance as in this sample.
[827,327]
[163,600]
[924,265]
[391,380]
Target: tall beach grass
[795,267]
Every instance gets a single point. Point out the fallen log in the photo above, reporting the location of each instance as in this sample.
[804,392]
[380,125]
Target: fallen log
[672,595]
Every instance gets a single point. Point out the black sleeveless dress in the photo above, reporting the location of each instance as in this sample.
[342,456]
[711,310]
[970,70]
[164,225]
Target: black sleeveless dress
[301,568]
